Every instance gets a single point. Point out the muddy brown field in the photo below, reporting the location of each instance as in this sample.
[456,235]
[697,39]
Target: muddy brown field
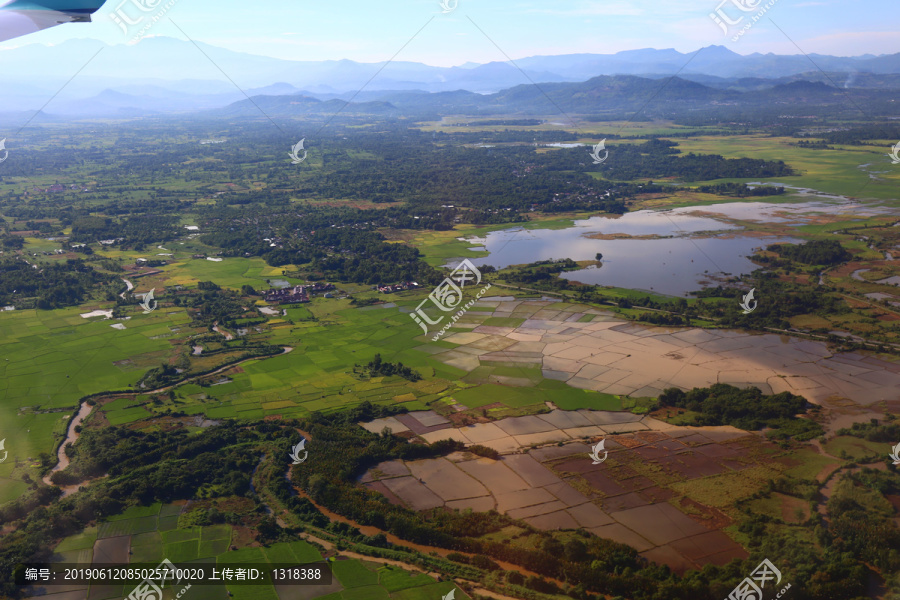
[627,498]
[594,350]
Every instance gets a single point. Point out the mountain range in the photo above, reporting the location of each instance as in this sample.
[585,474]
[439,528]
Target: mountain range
[164,75]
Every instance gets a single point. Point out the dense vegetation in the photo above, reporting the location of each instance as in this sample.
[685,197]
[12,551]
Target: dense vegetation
[379,368]
[777,301]
[657,158]
[51,285]
[543,275]
[741,190]
[143,468]
[130,232]
[815,252]
[748,408]
[874,431]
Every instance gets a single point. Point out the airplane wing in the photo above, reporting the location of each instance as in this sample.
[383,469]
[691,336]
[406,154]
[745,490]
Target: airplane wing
[21,17]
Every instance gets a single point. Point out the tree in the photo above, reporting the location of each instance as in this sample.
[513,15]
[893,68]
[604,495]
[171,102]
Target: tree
[267,529]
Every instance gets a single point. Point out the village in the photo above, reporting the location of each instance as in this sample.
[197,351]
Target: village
[297,294]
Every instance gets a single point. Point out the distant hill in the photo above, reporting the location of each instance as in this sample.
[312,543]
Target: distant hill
[621,95]
[33,73]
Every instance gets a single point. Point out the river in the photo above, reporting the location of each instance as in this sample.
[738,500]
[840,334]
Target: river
[63,460]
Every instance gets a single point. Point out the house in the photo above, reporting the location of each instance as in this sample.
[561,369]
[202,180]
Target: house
[287,295]
[299,293]
[397,287]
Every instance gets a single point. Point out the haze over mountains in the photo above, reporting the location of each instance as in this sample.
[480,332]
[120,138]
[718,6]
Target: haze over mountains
[165,75]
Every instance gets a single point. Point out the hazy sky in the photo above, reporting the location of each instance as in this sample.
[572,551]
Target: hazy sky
[371,31]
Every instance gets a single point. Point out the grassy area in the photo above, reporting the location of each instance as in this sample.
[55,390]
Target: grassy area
[832,171]
[808,464]
[855,448]
[353,578]
[724,490]
[50,359]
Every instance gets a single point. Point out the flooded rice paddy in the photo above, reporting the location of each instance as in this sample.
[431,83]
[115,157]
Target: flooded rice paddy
[594,350]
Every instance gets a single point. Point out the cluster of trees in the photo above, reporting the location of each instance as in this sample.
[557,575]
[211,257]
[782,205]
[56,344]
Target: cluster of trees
[863,519]
[143,468]
[543,275]
[814,145]
[663,318]
[379,368]
[365,257]
[484,451]
[862,134]
[50,285]
[657,158]
[12,242]
[741,190]
[134,231]
[211,304]
[874,431]
[815,252]
[509,123]
[748,408]
[412,168]
[338,244]
[777,301]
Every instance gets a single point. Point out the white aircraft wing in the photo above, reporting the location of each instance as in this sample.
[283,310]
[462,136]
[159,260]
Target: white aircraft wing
[19,18]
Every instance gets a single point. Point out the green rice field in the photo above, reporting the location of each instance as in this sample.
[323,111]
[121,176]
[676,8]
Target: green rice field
[140,532]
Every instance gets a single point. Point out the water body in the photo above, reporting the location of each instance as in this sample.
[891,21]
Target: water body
[675,262]
[62,458]
[770,212]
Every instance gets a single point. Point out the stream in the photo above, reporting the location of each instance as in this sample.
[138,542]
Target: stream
[63,460]
[85,409]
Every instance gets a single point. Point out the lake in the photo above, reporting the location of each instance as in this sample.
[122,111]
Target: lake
[688,248]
